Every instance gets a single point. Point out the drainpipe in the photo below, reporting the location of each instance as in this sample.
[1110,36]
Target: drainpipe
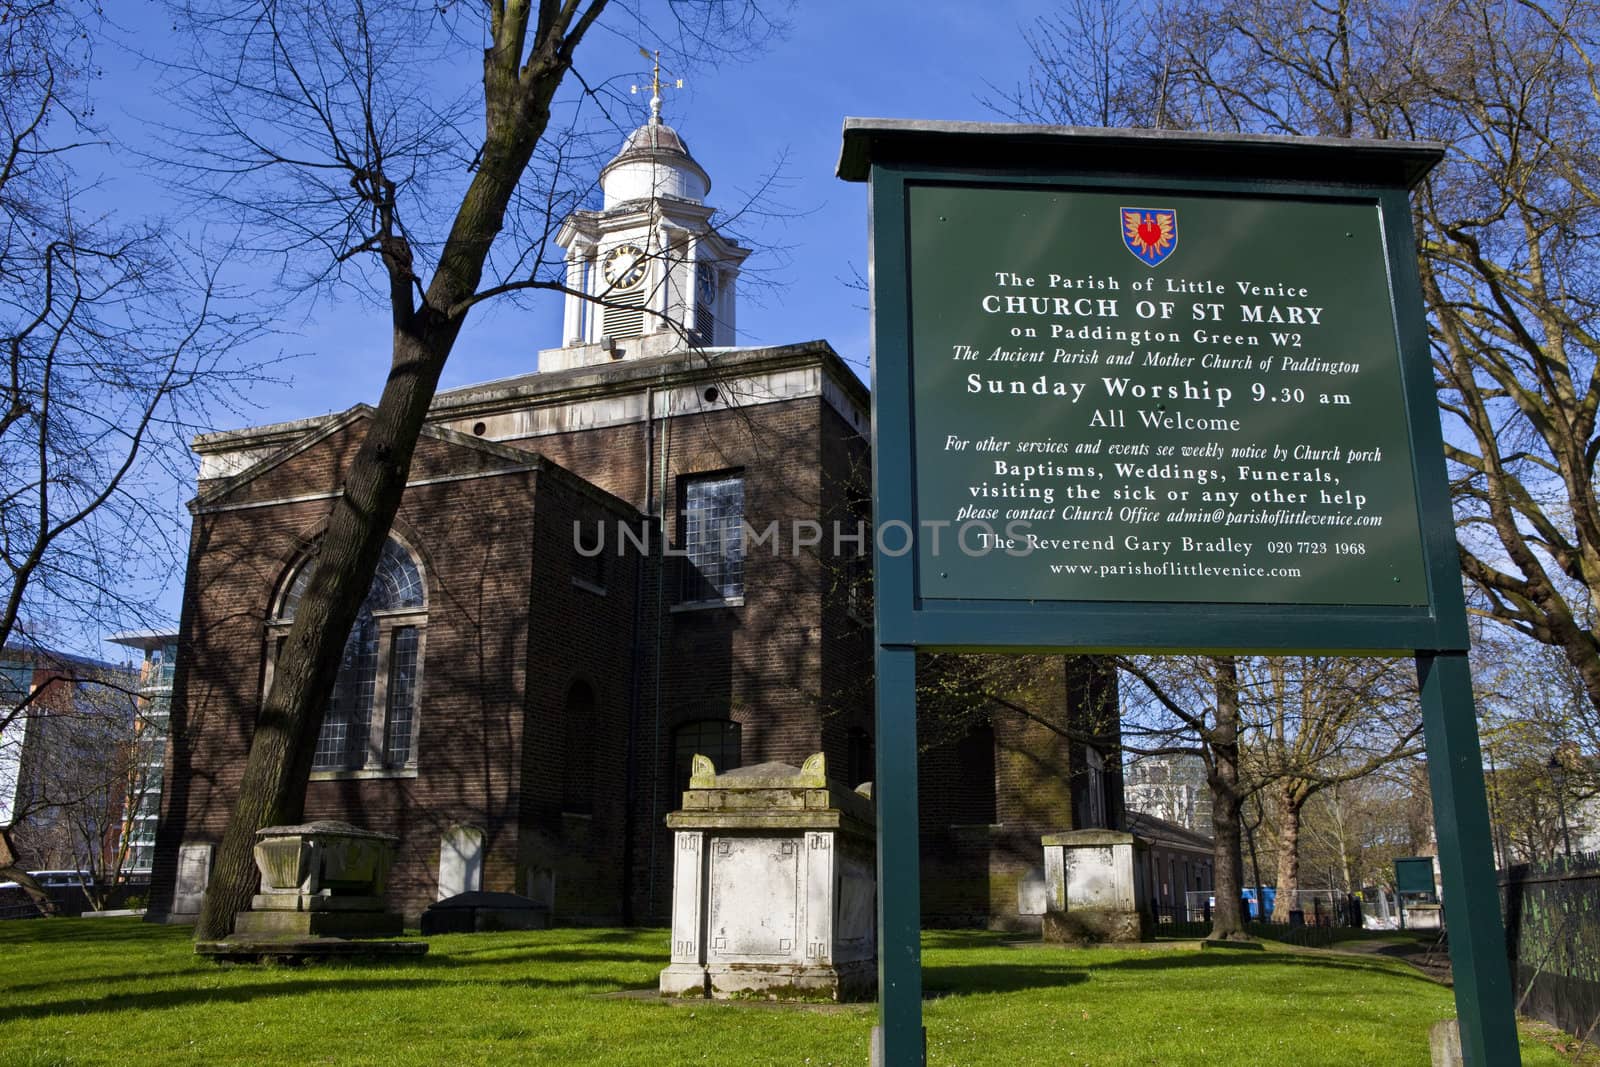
[635,680]
[663,461]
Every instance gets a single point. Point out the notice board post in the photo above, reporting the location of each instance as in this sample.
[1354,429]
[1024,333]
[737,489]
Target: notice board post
[1157,392]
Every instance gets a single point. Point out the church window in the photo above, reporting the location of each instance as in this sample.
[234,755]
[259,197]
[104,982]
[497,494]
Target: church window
[976,768]
[371,721]
[589,553]
[1094,790]
[713,514]
[716,739]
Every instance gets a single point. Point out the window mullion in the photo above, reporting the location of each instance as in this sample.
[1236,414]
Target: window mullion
[416,693]
[380,696]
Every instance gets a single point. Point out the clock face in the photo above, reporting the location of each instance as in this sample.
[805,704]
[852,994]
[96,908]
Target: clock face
[706,282]
[624,266]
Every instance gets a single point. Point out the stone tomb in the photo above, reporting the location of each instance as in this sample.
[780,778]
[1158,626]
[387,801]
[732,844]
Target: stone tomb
[1093,887]
[478,912]
[773,886]
[323,879]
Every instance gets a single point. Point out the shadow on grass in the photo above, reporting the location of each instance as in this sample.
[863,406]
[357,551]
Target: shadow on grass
[100,980]
[343,983]
[524,955]
[968,979]
[958,939]
[1174,961]
[87,931]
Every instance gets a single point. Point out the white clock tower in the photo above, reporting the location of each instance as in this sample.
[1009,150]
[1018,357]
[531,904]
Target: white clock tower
[653,274]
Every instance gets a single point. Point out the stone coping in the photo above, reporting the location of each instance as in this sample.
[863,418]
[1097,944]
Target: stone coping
[759,795]
[826,819]
[324,828]
[772,775]
[1091,838]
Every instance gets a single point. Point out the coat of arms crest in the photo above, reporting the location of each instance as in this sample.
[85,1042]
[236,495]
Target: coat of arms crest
[1150,233]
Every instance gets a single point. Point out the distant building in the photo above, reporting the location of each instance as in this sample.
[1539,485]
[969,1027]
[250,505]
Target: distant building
[66,722]
[143,812]
[1180,865]
[1172,788]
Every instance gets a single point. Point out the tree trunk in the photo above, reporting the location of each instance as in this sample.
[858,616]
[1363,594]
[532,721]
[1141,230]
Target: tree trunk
[1289,808]
[12,870]
[272,789]
[1227,919]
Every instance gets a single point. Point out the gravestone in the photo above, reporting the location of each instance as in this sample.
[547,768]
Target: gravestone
[194,874]
[773,886]
[1092,888]
[1031,893]
[460,861]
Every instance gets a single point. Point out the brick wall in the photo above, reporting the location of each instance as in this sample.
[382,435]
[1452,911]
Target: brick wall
[533,682]
[472,539]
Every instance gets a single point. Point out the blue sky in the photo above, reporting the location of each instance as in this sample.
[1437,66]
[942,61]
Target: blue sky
[880,59]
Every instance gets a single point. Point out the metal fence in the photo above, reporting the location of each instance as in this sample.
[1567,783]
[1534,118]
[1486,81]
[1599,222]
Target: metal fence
[1553,940]
[1318,925]
[68,900]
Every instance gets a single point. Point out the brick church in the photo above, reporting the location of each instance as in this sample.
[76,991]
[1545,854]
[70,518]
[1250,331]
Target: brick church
[567,611]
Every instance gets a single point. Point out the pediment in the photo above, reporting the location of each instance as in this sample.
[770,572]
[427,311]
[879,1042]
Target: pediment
[314,464]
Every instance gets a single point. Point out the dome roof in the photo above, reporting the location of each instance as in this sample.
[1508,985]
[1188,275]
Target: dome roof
[654,137]
[653,162]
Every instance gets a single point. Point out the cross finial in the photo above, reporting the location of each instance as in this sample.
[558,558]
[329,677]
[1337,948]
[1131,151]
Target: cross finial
[655,85]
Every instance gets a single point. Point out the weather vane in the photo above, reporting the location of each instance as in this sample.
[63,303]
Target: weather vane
[655,85]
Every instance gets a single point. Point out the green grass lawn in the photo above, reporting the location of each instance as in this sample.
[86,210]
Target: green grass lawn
[120,991]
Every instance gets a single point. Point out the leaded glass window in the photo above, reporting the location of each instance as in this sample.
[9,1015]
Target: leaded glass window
[370,722]
[717,739]
[713,514]
[402,697]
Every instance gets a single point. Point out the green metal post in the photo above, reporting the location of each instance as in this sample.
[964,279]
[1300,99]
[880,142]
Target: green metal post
[898,1040]
[1472,901]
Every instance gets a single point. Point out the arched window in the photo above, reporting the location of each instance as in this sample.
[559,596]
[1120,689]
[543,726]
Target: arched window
[717,739]
[371,719]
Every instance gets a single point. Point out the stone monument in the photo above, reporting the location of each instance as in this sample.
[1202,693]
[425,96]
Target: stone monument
[1093,891]
[194,874]
[323,879]
[773,886]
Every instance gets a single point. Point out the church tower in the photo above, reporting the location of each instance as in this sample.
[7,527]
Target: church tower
[647,274]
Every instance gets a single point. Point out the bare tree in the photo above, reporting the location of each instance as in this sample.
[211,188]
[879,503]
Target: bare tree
[324,128]
[112,336]
[71,762]
[1506,225]
[1536,721]
[1324,722]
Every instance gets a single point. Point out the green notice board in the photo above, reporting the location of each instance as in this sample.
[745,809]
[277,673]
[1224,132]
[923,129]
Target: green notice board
[1414,874]
[1130,396]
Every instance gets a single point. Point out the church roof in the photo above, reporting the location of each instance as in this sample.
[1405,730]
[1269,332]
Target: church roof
[655,145]
[655,137]
[1161,831]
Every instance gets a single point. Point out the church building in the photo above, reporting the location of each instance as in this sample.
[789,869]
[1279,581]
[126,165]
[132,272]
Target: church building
[655,545]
